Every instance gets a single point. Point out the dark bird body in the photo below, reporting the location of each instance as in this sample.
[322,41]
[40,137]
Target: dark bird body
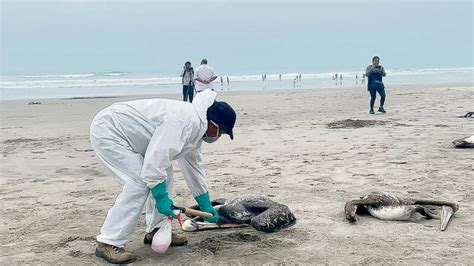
[260,212]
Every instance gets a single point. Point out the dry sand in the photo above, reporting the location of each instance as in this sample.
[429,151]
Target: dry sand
[55,193]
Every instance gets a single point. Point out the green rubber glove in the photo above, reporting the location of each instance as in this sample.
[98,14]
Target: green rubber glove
[205,205]
[163,202]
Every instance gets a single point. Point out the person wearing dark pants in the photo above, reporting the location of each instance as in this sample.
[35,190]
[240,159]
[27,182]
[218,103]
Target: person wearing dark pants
[373,94]
[375,73]
[188,93]
[187,79]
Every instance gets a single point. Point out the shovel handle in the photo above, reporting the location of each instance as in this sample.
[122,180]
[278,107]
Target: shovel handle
[198,213]
[190,211]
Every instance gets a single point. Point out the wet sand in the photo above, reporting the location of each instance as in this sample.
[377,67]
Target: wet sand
[309,149]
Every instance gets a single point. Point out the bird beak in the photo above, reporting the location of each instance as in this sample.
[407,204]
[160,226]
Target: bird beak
[446,214]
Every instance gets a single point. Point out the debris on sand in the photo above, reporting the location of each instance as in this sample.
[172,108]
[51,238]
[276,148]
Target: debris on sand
[350,123]
[216,243]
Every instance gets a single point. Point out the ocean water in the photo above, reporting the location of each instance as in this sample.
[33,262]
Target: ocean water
[119,84]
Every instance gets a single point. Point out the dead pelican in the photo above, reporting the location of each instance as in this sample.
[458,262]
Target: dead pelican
[389,207]
[468,114]
[467,142]
[260,212]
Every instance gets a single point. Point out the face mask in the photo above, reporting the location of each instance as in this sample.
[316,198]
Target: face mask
[210,139]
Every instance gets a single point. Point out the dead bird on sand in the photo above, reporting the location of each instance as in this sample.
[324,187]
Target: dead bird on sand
[468,115]
[386,206]
[260,212]
[467,142]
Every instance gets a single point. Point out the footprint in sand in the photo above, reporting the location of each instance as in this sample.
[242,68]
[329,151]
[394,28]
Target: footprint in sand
[62,170]
[89,172]
[218,243]
[82,193]
[79,246]
[84,150]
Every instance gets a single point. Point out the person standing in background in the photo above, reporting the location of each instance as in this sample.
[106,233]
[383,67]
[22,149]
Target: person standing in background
[187,79]
[204,76]
[374,74]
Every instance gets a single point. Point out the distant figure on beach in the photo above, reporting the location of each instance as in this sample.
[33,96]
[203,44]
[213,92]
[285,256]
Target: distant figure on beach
[335,76]
[228,81]
[187,77]
[357,79]
[340,77]
[279,77]
[222,81]
[204,76]
[363,79]
[375,73]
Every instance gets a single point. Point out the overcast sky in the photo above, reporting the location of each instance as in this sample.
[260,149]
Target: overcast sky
[55,37]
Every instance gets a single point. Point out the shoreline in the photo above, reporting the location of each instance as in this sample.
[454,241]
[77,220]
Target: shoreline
[157,95]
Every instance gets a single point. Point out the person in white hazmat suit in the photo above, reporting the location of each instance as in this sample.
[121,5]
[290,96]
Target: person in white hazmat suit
[137,141]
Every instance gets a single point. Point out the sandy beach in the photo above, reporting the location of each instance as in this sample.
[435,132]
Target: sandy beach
[292,146]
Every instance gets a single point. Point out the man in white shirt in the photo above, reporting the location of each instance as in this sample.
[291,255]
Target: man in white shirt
[204,76]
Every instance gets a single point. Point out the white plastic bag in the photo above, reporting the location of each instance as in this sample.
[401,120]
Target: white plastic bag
[162,238]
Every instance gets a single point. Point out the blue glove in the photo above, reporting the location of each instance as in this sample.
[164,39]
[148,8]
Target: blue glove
[205,205]
[163,202]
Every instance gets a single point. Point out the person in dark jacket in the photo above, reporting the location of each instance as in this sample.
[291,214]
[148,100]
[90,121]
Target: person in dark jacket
[374,74]
[187,80]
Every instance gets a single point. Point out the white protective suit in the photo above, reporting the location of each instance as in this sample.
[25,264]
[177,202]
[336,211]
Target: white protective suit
[138,141]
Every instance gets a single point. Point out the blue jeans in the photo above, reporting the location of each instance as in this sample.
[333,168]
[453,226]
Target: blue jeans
[188,92]
[373,89]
